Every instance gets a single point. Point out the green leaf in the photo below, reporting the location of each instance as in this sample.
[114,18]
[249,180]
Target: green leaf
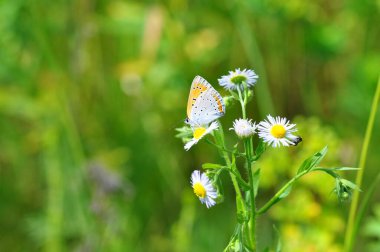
[286,192]
[256,180]
[212,166]
[312,161]
[349,184]
[345,169]
[279,244]
[329,171]
[220,191]
[235,95]
[260,149]
[241,211]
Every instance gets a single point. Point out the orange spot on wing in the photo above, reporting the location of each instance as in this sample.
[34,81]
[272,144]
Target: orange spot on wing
[219,102]
[196,90]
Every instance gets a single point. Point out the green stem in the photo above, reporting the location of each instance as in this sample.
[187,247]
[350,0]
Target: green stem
[242,103]
[219,138]
[241,180]
[364,206]
[279,195]
[350,232]
[252,223]
[224,149]
[55,185]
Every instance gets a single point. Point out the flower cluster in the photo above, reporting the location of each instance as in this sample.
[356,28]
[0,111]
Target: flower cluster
[205,107]
[275,132]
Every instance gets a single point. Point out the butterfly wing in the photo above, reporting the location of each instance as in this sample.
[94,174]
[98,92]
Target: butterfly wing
[205,104]
[198,86]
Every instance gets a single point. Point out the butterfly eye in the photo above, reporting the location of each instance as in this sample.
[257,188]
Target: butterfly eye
[187,121]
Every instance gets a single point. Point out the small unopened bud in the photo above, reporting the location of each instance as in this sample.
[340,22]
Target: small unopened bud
[228,100]
[344,189]
[244,128]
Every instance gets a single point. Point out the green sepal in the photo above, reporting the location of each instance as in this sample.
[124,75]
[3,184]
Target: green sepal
[184,132]
[344,188]
[349,184]
[228,100]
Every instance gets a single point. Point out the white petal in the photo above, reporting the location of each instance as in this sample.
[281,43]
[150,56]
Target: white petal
[195,177]
[213,126]
[189,144]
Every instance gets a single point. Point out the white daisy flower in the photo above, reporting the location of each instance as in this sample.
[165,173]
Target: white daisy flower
[203,188]
[235,79]
[244,128]
[200,132]
[277,131]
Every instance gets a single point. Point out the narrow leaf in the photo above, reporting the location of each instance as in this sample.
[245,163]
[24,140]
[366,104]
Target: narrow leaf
[211,166]
[241,212]
[312,161]
[240,180]
[279,244]
[349,184]
[286,192]
[234,95]
[345,169]
[260,149]
[256,181]
[282,195]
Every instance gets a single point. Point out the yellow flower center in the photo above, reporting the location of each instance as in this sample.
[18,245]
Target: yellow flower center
[199,132]
[199,190]
[278,131]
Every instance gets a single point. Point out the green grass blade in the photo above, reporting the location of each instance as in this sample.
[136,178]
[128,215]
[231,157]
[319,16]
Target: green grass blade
[350,231]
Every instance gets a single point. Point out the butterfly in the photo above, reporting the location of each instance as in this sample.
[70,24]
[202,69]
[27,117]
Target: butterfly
[205,104]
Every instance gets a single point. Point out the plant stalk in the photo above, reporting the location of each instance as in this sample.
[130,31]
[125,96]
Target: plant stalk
[252,222]
[219,138]
[249,152]
[351,229]
[242,103]
[277,196]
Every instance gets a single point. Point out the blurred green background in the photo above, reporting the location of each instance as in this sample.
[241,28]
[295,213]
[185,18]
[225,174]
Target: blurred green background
[91,93]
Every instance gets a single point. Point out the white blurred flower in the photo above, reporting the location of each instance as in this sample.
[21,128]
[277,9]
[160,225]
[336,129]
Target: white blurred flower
[203,188]
[244,128]
[277,131]
[235,79]
[200,132]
